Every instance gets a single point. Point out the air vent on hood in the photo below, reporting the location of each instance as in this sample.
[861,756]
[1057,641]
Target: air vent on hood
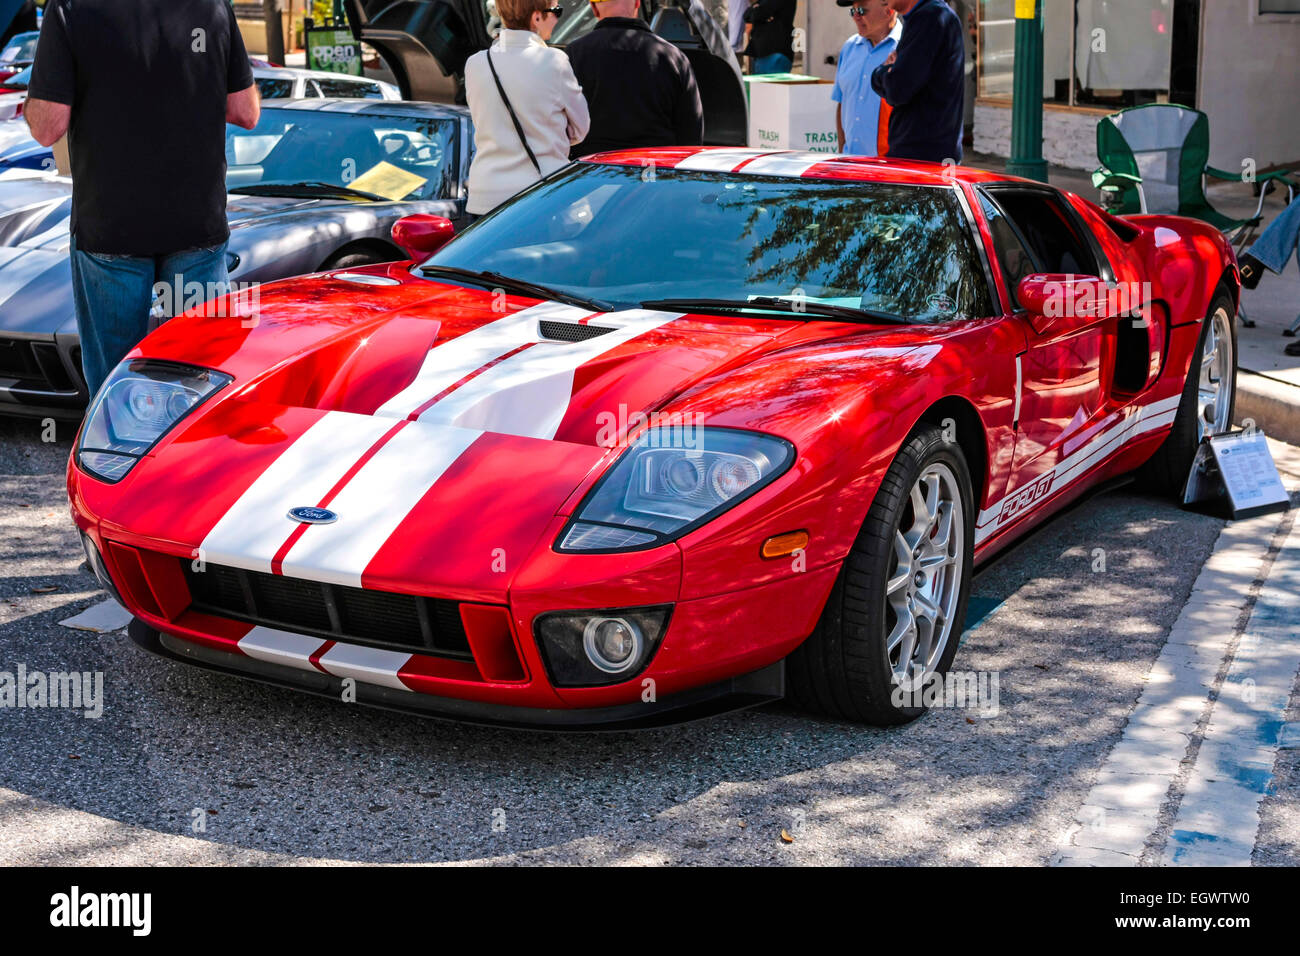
[571,331]
[361,278]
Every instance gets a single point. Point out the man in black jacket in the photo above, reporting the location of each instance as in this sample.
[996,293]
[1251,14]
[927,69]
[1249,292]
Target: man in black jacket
[640,88]
[923,82]
[771,40]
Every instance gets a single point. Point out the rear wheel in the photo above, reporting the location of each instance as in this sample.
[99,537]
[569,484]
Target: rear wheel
[1207,403]
[895,616]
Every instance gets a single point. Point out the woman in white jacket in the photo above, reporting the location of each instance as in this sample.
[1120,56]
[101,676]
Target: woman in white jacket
[537,83]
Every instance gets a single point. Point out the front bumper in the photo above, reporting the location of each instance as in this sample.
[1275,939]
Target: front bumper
[748,690]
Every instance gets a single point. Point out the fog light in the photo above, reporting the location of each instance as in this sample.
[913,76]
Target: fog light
[611,643]
[590,648]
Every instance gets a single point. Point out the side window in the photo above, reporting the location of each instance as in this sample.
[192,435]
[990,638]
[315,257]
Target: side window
[1049,231]
[310,89]
[1014,258]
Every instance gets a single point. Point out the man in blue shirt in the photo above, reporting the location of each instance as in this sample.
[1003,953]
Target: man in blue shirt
[924,82]
[861,116]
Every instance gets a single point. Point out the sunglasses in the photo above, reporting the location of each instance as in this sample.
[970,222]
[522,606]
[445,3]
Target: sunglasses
[858,11]
[557,10]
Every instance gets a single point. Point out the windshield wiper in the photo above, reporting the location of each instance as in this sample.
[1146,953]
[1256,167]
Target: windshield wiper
[307,189]
[771,303]
[494,280]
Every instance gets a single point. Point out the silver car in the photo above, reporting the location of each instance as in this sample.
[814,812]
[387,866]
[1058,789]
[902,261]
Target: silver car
[316,185]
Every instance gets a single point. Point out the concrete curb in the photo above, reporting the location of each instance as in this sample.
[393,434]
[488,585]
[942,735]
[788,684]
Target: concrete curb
[1274,405]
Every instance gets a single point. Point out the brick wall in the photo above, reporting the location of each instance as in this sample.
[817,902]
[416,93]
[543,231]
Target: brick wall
[1069,136]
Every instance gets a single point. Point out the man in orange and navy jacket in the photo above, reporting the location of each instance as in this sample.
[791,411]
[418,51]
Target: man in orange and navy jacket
[861,113]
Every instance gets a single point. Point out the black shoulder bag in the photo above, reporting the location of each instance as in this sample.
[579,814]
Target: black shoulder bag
[513,118]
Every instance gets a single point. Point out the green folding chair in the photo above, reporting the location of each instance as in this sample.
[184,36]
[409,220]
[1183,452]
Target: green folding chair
[1155,158]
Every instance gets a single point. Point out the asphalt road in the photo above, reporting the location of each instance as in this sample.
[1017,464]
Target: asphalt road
[276,776]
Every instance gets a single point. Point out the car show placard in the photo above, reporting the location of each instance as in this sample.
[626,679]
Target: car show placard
[1236,469]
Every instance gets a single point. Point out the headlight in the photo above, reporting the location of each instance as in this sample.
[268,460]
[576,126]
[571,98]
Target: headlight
[669,481]
[138,404]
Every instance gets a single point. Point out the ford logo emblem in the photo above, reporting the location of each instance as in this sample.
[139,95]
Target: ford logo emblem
[312,515]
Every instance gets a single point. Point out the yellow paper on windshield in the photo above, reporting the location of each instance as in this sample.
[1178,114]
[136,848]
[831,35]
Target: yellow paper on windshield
[385,179]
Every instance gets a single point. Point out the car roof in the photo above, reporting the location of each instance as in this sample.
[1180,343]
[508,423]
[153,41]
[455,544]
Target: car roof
[801,164]
[370,107]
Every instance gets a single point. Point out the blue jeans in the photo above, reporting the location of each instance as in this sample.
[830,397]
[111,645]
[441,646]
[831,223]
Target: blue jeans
[773,63]
[113,296]
[1278,241]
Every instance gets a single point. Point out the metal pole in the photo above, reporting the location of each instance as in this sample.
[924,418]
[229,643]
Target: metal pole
[1027,94]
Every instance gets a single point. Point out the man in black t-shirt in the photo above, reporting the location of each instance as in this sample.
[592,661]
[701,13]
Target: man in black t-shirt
[640,89]
[143,91]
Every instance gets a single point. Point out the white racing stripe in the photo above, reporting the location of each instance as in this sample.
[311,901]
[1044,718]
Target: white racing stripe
[529,393]
[252,531]
[1144,419]
[719,160]
[374,503]
[785,164]
[449,362]
[281,647]
[371,665]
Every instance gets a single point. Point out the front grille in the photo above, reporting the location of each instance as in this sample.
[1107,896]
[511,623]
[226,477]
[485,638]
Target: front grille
[35,364]
[571,331]
[335,612]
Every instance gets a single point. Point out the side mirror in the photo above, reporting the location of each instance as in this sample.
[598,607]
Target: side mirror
[1064,301]
[421,235]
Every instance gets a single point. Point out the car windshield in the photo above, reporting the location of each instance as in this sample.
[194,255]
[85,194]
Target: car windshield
[392,156]
[21,49]
[625,235]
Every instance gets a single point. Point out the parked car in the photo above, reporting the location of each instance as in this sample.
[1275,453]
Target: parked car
[18,53]
[291,211]
[635,449]
[279,82]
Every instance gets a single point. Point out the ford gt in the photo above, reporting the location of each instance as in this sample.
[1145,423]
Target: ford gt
[671,432]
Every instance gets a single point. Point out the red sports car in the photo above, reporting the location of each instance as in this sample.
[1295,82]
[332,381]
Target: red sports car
[670,432]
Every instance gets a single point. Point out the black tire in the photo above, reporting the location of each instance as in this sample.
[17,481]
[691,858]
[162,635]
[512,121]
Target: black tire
[353,260]
[843,669]
[1165,473]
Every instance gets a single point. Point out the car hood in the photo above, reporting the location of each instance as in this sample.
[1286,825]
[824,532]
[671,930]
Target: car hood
[35,277]
[403,409]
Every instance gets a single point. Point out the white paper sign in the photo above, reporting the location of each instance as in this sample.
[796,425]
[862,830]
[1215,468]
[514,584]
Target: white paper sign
[1249,473]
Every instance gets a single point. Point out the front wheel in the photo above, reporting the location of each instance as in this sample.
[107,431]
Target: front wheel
[895,615]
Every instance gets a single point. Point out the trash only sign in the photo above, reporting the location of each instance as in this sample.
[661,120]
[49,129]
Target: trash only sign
[334,49]
[791,111]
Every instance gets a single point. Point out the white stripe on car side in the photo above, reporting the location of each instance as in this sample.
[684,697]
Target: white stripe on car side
[374,503]
[252,531]
[1146,418]
[529,393]
[449,362]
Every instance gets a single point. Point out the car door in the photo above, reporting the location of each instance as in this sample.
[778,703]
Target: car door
[1063,399]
